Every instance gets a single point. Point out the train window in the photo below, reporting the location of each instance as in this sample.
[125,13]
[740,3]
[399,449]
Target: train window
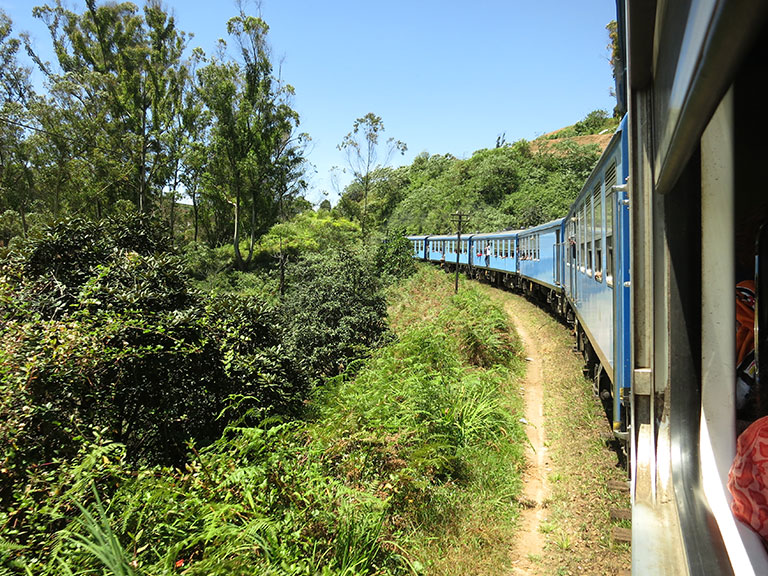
[580,233]
[598,231]
[588,230]
[610,181]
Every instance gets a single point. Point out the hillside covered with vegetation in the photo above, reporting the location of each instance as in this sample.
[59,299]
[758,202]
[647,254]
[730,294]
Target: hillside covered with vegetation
[203,373]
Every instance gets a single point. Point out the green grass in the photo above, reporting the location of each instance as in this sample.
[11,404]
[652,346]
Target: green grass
[407,462]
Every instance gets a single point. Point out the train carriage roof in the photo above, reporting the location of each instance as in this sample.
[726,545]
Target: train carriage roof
[494,235]
[451,236]
[552,224]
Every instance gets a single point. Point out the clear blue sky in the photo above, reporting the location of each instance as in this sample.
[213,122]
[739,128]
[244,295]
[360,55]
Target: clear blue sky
[445,76]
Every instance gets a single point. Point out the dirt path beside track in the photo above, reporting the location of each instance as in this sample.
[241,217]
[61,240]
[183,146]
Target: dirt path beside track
[530,542]
[565,526]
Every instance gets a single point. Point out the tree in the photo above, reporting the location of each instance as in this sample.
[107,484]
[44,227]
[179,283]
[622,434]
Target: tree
[361,148]
[16,177]
[256,153]
[118,92]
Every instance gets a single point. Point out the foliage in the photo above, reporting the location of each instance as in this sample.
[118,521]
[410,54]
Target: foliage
[390,459]
[201,260]
[334,311]
[310,232]
[507,187]
[256,153]
[394,258]
[361,148]
[596,122]
[103,336]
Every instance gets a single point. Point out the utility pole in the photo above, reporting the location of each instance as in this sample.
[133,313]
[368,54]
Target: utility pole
[458,218]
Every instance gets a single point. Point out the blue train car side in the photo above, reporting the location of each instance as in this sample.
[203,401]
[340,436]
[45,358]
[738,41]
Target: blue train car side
[539,254]
[495,251]
[420,246]
[439,246]
[595,272]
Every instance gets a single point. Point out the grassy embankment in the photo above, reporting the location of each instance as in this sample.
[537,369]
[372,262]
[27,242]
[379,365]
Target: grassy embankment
[409,463]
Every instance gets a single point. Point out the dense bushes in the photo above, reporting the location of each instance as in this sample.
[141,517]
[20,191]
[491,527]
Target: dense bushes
[394,258]
[104,344]
[102,333]
[334,310]
[393,455]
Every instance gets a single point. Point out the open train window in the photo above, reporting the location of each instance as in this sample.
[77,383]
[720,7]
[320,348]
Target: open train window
[588,230]
[598,231]
[610,202]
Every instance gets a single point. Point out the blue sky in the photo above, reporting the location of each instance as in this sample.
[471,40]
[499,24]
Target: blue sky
[445,76]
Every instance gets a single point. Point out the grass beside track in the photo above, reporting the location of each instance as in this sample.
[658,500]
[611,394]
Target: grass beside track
[409,463]
[577,528]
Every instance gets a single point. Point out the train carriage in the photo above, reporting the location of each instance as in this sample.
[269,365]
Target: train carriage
[697,193]
[420,245]
[458,250]
[538,251]
[495,252]
[439,247]
[595,274]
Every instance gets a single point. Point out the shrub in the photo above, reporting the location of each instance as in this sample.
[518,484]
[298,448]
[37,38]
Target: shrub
[394,258]
[334,311]
[102,333]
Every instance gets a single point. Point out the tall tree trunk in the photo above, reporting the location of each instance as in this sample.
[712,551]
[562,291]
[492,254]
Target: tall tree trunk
[143,160]
[173,199]
[195,211]
[236,239]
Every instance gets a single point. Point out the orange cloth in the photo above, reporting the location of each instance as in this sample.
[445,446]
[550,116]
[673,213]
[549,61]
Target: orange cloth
[748,478]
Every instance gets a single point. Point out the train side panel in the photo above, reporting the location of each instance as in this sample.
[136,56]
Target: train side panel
[420,245]
[538,251]
[503,255]
[594,265]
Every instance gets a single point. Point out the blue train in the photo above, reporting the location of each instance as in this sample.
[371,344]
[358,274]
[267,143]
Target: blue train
[645,265]
[577,265]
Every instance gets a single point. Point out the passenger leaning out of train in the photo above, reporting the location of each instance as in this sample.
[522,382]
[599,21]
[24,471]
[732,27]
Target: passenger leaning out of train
[488,254]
